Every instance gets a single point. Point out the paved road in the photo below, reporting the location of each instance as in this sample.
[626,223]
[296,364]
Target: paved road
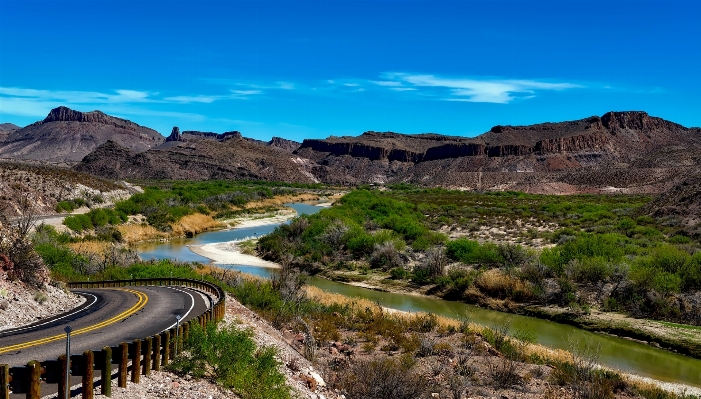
[109,316]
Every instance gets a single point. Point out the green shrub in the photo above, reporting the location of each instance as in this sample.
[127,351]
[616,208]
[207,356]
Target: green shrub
[230,357]
[95,218]
[399,273]
[462,250]
[591,270]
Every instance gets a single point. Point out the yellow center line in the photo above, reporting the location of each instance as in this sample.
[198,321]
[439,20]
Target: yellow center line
[143,299]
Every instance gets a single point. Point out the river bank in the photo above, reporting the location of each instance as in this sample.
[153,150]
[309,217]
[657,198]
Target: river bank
[679,338]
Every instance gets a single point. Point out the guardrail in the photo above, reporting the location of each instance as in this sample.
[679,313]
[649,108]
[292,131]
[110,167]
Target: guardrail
[145,354]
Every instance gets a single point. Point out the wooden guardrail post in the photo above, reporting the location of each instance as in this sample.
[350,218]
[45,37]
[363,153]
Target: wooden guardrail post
[173,342]
[136,362]
[4,381]
[106,374]
[123,365]
[179,346]
[34,377]
[186,331]
[88,373]
[62,381]
[147,356]
[166,348]
[157,352]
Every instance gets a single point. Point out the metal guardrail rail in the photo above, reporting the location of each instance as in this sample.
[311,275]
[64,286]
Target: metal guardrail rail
[149,353]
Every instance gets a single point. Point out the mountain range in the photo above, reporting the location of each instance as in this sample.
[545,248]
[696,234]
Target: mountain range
[629,152]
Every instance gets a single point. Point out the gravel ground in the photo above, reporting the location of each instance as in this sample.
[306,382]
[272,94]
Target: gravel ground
[21,305]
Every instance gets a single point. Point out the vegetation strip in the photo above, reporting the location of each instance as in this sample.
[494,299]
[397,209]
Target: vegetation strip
[142,300]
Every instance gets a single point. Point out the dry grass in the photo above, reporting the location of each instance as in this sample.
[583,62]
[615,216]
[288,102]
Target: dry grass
[90,247]
[501,285]
[194,224]
[133,233]
[281,200]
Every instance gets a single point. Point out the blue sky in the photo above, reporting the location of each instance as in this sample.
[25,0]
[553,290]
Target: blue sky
[308,69]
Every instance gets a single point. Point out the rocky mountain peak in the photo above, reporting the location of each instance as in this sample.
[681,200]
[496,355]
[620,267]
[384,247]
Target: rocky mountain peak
[174,135]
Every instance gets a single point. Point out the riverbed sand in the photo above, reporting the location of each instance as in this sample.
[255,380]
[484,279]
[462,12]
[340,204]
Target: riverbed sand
[229,253]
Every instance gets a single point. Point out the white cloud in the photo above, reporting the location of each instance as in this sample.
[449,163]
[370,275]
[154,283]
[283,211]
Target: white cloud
[78,97]
[193,99]
[403,88]
[386,83]
[246,92]
[485,90]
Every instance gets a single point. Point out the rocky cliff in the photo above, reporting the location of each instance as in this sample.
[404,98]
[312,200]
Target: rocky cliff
[66,135]
[617,146]
[284,144]
[186,135]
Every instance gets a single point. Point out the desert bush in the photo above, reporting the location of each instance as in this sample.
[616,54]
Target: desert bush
[505,372]
[40,297]
[583,374]
[399,273]
[382,378]
[230,357]
[591,270]
[512,254]
[20,256]
[535,272]
[386,256]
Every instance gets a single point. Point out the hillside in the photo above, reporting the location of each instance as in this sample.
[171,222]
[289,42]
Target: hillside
[234,158]
[683,203]
[628,151]
[66,135]
[45,186]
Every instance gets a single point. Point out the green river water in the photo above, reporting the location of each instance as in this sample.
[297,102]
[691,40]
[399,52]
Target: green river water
[618,353]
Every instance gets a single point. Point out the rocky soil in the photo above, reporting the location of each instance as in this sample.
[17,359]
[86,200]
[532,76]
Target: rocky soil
[21,305]
[45,185]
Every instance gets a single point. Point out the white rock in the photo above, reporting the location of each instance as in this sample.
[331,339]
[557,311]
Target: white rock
[319,381]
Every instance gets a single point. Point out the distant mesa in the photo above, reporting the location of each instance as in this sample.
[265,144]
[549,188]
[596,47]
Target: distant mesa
[188,135]
[175,135]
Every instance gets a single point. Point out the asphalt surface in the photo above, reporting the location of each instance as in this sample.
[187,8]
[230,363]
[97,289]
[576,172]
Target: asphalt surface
[109,316]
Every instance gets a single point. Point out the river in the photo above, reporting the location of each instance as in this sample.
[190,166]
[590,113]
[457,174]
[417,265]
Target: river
[618,353]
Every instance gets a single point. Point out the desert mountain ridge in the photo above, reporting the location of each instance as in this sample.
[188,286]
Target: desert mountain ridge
[616,152]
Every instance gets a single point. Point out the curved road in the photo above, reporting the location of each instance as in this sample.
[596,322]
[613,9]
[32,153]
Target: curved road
[108,317]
